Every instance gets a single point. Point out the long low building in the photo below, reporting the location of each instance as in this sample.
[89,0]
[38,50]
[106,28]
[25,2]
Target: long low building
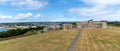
[92,24]
[88,24]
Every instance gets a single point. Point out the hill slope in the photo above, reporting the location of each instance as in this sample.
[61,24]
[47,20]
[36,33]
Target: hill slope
[50,41]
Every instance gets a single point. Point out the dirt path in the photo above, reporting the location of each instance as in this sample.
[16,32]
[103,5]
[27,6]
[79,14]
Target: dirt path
[74,43]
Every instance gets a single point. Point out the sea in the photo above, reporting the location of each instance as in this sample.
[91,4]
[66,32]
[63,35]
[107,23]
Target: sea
[1,30]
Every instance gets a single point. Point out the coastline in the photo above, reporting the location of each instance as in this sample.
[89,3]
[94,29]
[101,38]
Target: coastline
[2,29]
[6,28]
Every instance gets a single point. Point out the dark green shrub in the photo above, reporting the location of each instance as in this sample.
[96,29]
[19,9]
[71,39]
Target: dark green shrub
[17,32]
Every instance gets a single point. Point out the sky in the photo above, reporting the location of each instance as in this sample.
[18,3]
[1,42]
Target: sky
[58,10]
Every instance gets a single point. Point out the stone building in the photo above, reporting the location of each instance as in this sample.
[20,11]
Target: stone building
[67,27]
[54,27]
[79,25]
[88,24]
[92,24]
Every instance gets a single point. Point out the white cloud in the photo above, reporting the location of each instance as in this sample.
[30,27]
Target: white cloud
[29,4]
[23,16]
[20,16]
[5,17]
[3,1]
[99,9]
[101,2]
[26,4]
[38,15]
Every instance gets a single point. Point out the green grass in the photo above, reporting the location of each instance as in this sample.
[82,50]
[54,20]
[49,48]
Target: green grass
[50,41]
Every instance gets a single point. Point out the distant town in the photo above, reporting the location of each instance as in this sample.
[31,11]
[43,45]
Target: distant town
[56,25]
[29,24]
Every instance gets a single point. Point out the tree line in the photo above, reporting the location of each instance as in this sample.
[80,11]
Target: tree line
[16,32]
[115,23]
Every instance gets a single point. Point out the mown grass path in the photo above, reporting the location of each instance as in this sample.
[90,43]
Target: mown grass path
[74,43]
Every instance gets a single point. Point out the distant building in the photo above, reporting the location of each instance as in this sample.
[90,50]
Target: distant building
[92,24]
[88,24]
[53,27]
[67,26]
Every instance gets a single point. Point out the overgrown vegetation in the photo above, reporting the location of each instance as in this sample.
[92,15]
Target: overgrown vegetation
[16,32]
[73,23]
[116,23]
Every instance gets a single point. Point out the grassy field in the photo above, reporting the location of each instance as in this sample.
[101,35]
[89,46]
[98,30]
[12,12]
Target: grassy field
[50,41]
[107,39]
[99,40]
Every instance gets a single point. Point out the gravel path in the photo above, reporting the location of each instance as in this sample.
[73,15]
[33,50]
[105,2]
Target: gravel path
[74,43]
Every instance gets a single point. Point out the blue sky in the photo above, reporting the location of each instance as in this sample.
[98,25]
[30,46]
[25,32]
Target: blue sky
[58,10]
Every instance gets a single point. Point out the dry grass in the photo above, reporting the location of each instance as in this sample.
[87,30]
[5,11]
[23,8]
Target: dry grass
[51,41]
[99,40]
